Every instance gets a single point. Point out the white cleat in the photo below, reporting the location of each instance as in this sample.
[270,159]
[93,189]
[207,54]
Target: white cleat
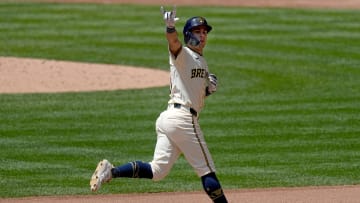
[101,175]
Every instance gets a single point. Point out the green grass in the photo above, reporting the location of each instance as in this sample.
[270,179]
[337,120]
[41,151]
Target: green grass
[287,112]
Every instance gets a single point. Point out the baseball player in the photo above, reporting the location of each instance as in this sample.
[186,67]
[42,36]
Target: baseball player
[177,128]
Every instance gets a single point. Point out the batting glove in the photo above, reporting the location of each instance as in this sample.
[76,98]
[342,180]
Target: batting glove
[169,17]
[212,86]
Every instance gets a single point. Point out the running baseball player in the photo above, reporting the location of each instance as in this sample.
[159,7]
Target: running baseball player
[177,128]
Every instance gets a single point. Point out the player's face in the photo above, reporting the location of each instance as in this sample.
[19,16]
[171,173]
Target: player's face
[201,34]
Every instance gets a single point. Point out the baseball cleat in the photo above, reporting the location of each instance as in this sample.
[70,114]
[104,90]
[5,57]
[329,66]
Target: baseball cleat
[101,175]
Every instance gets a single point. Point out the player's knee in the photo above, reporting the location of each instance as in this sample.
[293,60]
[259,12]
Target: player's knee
[159,172]
[213,188]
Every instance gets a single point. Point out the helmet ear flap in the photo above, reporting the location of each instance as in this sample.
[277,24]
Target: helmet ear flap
[191,39]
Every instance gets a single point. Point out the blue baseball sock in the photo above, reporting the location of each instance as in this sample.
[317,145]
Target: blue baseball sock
[135,169]
[213,188]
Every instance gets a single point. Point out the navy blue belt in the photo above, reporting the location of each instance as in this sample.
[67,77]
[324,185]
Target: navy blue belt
[192,111]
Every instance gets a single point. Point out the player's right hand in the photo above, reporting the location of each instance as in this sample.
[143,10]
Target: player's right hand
[169,17]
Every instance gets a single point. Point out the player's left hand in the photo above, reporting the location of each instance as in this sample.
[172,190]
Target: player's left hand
[212,87]
[169,17]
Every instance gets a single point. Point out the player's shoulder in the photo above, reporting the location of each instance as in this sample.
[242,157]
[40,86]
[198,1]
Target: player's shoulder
[188,51]
[193,54]
[186,54]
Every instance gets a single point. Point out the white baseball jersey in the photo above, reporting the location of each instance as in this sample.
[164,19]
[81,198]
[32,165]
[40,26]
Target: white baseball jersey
[189,78]
[178,131]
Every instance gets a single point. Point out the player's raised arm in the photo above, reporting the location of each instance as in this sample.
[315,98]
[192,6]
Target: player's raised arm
[171,34]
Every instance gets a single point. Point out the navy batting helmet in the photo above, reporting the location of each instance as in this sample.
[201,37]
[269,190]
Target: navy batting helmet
[190,25]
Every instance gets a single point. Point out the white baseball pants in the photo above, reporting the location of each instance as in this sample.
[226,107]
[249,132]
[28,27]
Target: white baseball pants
[178,132]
